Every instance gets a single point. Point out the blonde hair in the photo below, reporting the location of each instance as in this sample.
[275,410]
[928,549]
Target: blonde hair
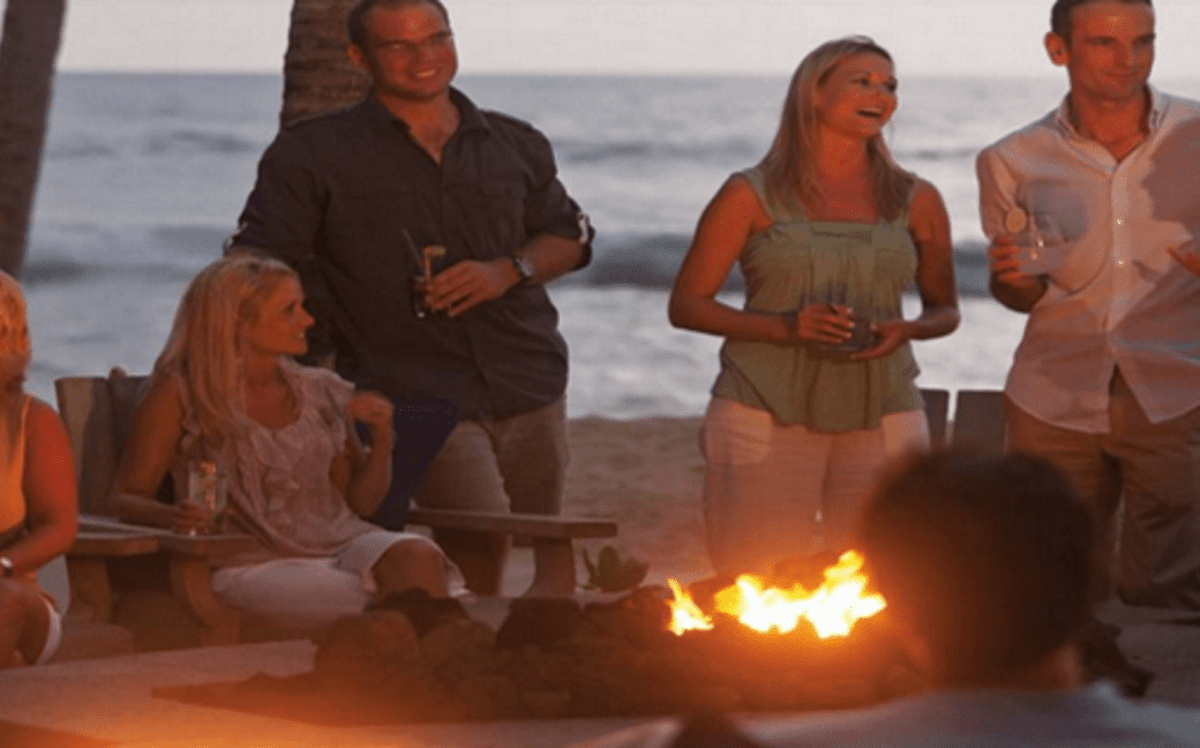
[203,345]
[15,347]
[790,164]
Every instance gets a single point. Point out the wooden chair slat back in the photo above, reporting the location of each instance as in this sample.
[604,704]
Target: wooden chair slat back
[937,411]
[98,414]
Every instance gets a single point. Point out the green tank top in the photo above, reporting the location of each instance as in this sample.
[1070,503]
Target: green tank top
[795,262]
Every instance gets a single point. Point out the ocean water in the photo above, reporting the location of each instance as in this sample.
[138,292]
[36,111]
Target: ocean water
[145,174]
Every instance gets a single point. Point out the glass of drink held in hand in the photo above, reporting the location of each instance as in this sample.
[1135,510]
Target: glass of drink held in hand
[1038,238]
[861,337]
[207,488]
[423,261]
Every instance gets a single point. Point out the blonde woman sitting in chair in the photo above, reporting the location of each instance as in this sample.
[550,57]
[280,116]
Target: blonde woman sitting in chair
[226,390]
[38,500]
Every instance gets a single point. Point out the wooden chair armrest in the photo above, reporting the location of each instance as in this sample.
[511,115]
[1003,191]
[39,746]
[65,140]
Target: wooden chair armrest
[535,525]
[107,544]
[188,558]
[96,523]
[206,545]
[94,528]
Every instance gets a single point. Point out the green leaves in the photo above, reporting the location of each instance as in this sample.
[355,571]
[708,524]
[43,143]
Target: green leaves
[611,573]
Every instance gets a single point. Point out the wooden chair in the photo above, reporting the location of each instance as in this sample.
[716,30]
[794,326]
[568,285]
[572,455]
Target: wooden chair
[97,413]
[550,535]
[937,410]
[979,420]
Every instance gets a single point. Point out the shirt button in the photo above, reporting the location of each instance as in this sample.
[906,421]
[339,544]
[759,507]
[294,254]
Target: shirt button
[1120,263]
[1120,222]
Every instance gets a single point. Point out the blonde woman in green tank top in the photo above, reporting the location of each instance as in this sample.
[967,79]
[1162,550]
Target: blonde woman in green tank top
[816,388]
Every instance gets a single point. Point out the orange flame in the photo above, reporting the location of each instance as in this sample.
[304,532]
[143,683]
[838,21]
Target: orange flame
[832,609]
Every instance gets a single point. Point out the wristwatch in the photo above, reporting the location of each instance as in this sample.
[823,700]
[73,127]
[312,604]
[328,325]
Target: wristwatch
[7,569]
[523,267]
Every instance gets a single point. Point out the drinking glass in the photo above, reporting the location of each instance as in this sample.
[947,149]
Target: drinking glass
[861,336]
[208,488]
[1041,244]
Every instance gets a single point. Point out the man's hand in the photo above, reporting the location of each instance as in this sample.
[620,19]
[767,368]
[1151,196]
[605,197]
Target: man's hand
[1005,264]
[1012,286]
[468,283]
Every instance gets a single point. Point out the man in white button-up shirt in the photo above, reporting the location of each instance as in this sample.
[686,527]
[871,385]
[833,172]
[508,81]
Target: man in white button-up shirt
[1106,381]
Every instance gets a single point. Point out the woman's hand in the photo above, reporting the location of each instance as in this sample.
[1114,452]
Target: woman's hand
[188,518]
[823,323]
[889,335]
[370,472]
[375,411]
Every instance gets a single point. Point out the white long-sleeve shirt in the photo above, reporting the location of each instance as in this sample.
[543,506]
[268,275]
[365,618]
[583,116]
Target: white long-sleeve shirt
[1118,300]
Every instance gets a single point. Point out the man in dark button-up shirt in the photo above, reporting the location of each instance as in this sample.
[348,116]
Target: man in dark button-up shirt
[353,198]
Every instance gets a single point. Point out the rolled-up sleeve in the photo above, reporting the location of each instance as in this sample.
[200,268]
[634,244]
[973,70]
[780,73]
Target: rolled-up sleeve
[548,208]
[997,191]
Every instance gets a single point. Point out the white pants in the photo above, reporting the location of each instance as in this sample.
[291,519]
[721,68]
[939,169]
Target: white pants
[304,595]
[773,492]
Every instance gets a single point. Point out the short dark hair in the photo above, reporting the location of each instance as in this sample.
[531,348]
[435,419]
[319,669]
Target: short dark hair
[986,557]
[1060,14]
[356,28]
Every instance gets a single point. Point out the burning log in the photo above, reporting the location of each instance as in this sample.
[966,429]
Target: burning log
[424,611]
[355,645]
[538,622]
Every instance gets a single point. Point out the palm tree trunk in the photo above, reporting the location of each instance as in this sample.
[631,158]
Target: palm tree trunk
[32,31]
[317,76]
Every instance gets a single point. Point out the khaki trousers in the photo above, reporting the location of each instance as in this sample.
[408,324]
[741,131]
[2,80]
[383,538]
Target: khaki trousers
[1153,556]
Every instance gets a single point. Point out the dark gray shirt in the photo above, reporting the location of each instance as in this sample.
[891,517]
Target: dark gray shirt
[334,196]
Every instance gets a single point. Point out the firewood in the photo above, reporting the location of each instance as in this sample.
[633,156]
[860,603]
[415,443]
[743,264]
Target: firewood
[358,644]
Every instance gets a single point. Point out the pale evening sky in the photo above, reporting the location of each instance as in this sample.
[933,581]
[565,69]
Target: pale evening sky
[966,37]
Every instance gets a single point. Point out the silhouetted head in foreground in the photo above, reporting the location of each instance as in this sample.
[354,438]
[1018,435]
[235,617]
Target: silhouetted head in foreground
[984,561]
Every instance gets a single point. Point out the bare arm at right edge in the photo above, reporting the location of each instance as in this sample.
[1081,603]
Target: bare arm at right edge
[997,195]
[733,216]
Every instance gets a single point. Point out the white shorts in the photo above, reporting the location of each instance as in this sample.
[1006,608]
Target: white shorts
[54,633]
[303,595]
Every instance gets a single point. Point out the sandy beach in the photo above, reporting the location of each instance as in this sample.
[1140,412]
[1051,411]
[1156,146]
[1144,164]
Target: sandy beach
[646,474]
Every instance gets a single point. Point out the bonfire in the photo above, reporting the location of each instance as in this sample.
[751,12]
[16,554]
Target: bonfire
[711,646]
[832,608]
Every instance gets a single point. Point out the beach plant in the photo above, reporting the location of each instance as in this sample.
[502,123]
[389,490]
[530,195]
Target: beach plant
[609,572]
